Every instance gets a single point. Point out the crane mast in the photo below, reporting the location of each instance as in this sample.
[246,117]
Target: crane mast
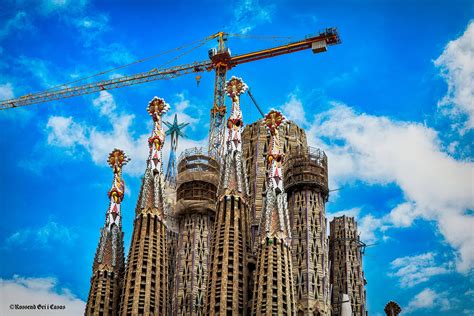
[220,61]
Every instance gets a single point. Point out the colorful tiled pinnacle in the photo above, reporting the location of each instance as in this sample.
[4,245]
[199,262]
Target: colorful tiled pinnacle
[228,277]
[146,284]
[273,292]
[108,267]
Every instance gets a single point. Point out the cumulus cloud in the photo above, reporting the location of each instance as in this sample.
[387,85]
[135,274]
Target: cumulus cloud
[26,291]
[404,214]
[413,270]
[294,110]
[378,150]
[64,132]
[457,68]
[68,134]
[428,299]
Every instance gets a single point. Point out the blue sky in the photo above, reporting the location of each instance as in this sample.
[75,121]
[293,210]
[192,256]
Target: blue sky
[392,106]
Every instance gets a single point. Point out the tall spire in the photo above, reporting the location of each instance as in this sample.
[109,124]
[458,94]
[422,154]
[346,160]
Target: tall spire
[275,220]
[151,195]
[273,278]
[228,274]
[117,159]
[108,267]
[175,131]
[234,179]
[145,290]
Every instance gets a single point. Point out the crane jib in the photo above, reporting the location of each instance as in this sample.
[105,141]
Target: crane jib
[316,43]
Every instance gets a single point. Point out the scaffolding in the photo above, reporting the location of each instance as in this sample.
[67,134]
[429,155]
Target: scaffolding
[307,168]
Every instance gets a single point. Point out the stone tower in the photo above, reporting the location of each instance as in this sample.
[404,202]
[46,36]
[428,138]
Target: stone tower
[256,142]
[347,276]
[228,278]
[198,176]
[108,267]
[306,183]
[273,279]
[146,287]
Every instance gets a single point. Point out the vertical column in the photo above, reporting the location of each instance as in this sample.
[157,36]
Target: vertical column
[347,275]
[195,209]
[307,188]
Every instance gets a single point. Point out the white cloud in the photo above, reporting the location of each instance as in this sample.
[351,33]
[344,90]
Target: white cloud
[27,291]
[413,270]
[6,91]
[404,214]
[64,132]
[248,14]
[105,103]
[293,110]
[378,150]
[457,67]
[41,237]
[428,299]
[367,226]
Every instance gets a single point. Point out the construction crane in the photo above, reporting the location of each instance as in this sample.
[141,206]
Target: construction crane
[220,60]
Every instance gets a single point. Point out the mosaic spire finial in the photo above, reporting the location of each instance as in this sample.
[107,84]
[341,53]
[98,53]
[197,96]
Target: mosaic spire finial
[151,194]
[113,220]
[156,108]
[234,88]
[272,121]
[117,159]
[234,175]
[275,218]
[109,261]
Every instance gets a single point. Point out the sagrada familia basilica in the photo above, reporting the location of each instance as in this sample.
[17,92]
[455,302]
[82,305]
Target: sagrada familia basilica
[241,232]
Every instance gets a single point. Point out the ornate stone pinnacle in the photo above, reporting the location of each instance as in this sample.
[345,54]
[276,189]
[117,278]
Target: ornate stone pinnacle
[157,107]
[235,87]
[273,120]
[117,159]
[392,309]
